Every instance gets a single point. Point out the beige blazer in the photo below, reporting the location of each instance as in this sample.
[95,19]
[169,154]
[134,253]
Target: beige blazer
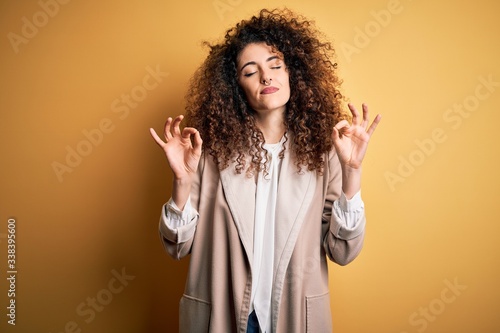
[218,288]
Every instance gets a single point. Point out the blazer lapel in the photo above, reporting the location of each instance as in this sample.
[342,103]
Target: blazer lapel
[295,193]
[240,195]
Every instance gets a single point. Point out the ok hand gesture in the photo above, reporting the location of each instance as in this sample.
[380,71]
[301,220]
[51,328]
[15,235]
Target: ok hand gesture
[351,142]
[182,154]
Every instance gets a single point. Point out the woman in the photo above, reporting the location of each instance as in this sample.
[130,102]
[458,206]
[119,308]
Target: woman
[266,181]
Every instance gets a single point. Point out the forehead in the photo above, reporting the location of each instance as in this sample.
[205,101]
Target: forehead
[256,52]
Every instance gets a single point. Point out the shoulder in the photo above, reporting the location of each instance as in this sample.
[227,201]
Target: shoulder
[332,167]
[332,158]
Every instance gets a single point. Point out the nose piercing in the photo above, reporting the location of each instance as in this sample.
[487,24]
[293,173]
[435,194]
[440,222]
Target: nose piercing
[266,83]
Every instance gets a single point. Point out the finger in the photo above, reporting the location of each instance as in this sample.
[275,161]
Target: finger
[355,114]
[156,138]
[177,121]
[373,126]
[342,127]
[366,118]
[197,142]
[166,131]
[341,124]
[187,132]
[335,135]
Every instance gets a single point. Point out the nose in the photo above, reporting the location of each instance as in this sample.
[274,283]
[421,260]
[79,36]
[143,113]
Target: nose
[265,78]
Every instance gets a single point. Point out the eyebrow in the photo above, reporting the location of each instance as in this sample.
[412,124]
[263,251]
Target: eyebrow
[254,63]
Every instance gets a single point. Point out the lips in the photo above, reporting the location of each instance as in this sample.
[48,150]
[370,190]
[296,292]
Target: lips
[269,90]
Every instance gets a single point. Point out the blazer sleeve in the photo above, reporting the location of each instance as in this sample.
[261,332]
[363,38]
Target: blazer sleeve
[342,243]
[177,229]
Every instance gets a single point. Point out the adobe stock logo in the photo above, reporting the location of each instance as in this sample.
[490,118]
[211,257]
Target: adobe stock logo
[30,28]
[88,309]
[453,117]
[121,106]
[363,36]
[426,315]
[223,6]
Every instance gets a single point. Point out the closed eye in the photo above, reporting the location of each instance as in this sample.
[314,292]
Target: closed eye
[250,74]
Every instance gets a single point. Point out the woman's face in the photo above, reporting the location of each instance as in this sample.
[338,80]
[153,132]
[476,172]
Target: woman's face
[264,78]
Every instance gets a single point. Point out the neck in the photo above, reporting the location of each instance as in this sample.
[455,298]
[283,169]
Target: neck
[271,125]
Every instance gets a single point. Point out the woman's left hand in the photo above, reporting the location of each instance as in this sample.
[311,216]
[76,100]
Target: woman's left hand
[351,140]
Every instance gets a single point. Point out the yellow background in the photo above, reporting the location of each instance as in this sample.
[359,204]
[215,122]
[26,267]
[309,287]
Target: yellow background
[435,225]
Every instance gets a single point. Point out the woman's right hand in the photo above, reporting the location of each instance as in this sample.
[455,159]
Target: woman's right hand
[183,155]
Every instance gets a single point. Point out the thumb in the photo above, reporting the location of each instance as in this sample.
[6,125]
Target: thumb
[335,135]
[198,142]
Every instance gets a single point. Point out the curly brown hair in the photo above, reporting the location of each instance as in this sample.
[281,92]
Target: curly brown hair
[218,109]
